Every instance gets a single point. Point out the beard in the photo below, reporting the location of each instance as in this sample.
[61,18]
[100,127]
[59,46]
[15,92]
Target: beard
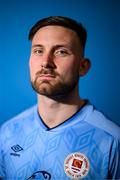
[58,88]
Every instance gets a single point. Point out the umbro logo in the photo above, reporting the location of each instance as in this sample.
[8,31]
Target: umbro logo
[16,148]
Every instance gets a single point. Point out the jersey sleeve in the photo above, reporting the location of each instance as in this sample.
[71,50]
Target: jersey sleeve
[2,169]
[114,163]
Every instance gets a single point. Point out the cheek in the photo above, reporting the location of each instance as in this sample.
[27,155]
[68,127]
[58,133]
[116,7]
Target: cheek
[32,67]
[33,64]
[71,68]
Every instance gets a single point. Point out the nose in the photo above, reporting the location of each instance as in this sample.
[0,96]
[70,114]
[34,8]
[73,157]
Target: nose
[48,62]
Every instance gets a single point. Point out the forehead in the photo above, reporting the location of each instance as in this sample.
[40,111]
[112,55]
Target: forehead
[56,33]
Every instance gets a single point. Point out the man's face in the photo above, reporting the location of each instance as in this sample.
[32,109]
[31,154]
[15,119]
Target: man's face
[55,61]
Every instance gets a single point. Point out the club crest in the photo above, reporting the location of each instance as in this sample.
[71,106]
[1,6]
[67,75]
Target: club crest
[76,165]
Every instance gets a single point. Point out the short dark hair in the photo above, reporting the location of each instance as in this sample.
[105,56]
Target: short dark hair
[61,21]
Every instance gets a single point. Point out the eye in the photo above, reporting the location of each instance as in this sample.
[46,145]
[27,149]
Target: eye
[61,52]
[38,52]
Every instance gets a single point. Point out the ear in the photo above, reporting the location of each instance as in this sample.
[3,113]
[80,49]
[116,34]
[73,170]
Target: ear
[85,65]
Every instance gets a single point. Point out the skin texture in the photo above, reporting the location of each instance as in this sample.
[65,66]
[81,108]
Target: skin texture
[56,62]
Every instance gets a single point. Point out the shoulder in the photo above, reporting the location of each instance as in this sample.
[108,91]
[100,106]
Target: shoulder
[16,122]
[97,119]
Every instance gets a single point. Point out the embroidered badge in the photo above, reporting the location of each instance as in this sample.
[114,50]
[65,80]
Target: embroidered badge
[76,165]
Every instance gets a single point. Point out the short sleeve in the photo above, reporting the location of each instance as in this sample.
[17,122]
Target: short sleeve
[114,163]
[2,168]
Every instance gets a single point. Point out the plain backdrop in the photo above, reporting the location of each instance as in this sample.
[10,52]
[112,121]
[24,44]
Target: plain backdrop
[102,21]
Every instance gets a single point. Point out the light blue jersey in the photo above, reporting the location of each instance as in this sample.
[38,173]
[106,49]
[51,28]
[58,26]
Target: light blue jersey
[30,150]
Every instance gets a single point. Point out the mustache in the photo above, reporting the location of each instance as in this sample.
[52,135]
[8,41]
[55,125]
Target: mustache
[47,71]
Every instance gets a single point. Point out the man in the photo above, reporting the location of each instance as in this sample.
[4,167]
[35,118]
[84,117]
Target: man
[63,136]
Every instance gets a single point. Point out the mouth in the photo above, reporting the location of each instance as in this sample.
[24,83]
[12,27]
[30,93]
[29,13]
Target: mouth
[46,76]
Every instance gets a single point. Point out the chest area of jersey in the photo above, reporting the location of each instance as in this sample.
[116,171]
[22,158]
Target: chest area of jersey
[45,154]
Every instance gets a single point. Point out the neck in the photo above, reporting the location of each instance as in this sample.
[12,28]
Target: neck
[55,111]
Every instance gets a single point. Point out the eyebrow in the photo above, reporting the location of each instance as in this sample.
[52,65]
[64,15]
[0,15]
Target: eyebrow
[37,45]
[55,46]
